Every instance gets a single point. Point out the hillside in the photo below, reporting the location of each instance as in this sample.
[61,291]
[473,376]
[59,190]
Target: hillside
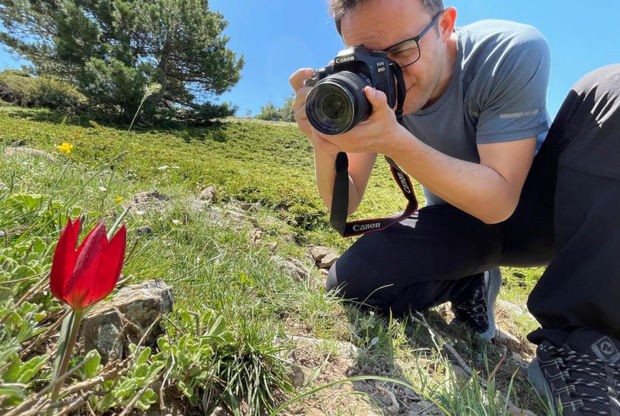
[229,217]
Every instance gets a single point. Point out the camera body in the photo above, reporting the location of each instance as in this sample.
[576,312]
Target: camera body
[336,103]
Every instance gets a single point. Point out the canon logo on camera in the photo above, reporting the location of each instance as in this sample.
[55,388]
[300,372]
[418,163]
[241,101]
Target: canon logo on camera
[345,59]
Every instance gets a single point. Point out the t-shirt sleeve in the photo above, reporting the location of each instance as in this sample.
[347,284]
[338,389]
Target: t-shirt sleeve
[513,88]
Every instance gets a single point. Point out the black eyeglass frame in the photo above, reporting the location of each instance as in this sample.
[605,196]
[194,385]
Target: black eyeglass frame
[415,39]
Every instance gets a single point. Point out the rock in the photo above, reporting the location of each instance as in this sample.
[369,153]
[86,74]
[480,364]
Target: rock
[219,411]
[292,267]
[519,360]
[250,207]
[256,235]
[209,194]
[328,261]
[505,337]
[150,200]
[324,257]
[145,231]
[111,325]
[196,205]
[512,308]
[297,376]
[343,348]
[13,151]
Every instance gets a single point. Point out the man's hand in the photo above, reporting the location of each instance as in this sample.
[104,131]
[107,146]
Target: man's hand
[376,134]
[297,81]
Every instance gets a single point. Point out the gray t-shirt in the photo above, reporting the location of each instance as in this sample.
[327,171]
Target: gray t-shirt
[497,93]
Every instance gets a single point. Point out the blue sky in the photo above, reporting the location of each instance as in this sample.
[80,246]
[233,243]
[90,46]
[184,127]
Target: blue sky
[278,36]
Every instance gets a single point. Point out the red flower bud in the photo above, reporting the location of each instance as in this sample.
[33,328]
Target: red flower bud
[84,276]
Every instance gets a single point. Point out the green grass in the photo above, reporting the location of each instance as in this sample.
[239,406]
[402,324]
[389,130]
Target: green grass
[212,262]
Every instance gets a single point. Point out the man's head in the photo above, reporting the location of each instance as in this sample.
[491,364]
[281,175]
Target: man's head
[339,8]
[418,34]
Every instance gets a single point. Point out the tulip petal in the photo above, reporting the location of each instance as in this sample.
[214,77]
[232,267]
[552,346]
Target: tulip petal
[81,284]
[88,236]
[110,267]
[64,258]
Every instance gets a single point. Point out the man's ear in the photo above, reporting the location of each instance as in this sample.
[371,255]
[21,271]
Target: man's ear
[447,21]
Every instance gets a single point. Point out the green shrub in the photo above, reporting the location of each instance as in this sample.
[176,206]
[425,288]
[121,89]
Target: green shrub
[53,93]
[205,114]
[19,87]
[16,86]
[269,112]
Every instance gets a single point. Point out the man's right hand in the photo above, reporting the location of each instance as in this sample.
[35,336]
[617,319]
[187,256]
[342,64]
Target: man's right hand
[298,83]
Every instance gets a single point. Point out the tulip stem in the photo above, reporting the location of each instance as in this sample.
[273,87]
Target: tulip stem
[69,344]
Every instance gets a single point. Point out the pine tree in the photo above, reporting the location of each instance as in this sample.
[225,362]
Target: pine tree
[113,50]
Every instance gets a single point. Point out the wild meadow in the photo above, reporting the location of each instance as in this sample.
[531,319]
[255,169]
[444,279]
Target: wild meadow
[232,345]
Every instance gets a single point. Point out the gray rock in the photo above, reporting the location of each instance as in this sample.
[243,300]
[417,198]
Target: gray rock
[292,267]
[110,326]
[324,257]
[150,201]
[209,194]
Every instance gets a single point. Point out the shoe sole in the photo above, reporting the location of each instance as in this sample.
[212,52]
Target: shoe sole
[494,278]
[536,377]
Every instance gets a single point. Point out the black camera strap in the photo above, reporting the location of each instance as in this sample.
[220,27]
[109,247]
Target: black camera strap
[340,196]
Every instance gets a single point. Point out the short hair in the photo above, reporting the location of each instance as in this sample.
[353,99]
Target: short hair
[338,8]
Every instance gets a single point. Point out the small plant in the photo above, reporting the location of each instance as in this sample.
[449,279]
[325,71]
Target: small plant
[148,91]
[253,369]
[133,388]
[189,353]
[18,323]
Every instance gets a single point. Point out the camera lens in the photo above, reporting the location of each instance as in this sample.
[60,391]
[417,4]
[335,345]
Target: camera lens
[337,102]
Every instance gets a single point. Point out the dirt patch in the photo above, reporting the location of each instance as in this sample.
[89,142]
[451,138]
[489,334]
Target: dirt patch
[367,391]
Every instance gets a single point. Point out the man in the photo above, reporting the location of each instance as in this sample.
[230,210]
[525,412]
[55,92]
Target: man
[473,131]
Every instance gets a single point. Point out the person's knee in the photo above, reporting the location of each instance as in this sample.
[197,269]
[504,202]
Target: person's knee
[339,279]
[348,277]
[331,283]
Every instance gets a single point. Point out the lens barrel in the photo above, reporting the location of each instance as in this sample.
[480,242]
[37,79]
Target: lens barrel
[337,103]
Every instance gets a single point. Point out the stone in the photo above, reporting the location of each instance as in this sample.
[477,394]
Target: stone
[292,267]
[150,201]
[324,257]
[27,151]
[110,326]
[145,231]
[209,194]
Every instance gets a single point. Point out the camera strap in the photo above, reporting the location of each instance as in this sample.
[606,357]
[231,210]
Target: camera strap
[340,196]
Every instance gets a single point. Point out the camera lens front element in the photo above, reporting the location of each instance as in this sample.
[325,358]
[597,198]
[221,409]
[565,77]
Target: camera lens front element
[335,106]
[337,103]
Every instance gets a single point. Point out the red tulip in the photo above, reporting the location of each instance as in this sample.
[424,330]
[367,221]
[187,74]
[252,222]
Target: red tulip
[84,276]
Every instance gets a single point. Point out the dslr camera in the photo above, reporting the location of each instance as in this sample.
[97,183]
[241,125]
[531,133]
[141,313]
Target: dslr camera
[336,103]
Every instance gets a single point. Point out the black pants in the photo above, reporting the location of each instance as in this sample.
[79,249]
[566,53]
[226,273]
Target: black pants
[568,218]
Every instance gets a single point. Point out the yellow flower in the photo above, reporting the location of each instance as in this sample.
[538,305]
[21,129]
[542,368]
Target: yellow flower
[65,148]
[118,199]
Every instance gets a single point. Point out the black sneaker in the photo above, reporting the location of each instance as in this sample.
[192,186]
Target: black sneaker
[582,377]
[476,307]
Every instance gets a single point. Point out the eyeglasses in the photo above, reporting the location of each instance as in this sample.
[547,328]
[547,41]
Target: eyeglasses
[407,52]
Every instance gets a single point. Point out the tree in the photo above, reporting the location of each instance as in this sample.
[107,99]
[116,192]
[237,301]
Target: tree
[268,112]
[113,50]
[271,113]
[286,111]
